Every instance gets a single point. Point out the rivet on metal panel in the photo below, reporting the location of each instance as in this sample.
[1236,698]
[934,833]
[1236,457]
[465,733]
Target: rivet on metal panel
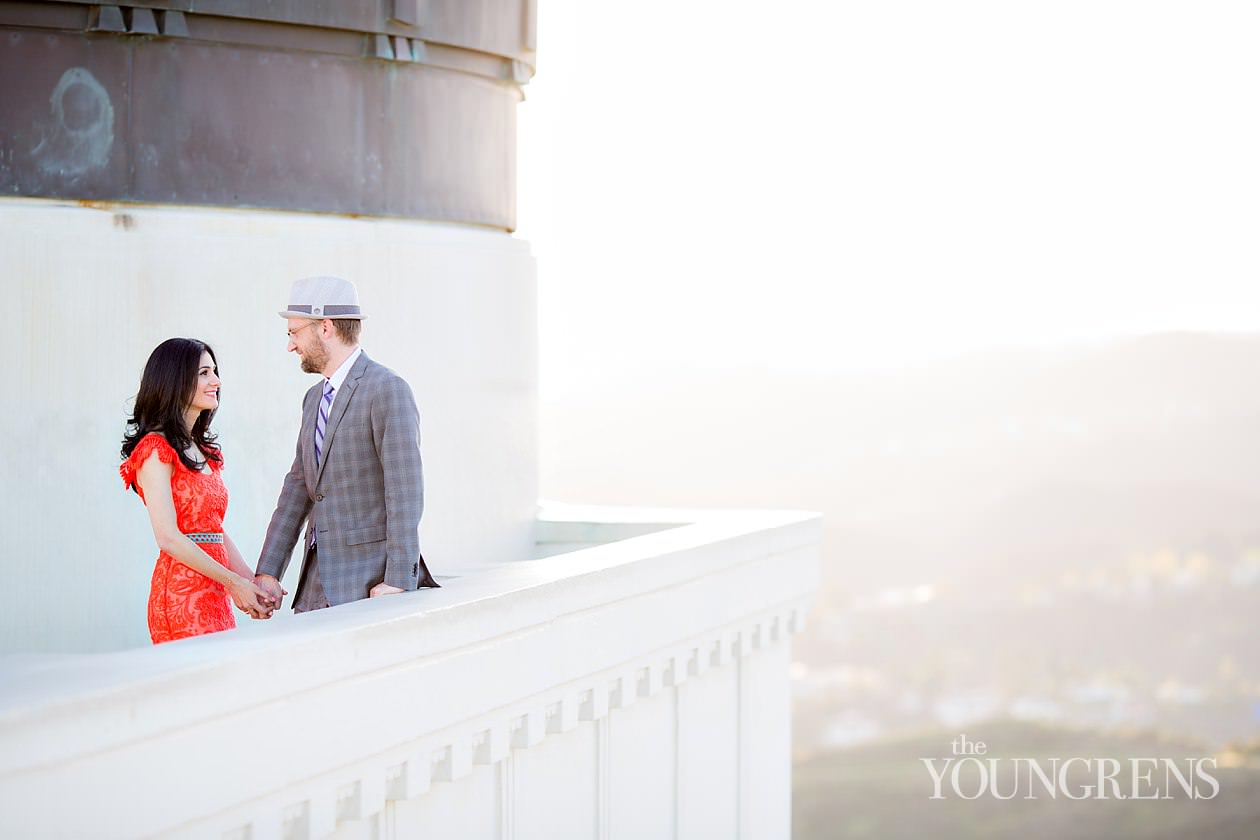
[382,47]
[141,22]
[106,19]
[173,24]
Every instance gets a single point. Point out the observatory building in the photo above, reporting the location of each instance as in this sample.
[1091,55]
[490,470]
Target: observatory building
[168,168]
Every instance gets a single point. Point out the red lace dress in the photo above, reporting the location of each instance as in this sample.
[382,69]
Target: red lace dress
[184,602]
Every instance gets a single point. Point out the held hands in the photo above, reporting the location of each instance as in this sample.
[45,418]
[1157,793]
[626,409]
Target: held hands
[252,599]
[272,594]
[383,588]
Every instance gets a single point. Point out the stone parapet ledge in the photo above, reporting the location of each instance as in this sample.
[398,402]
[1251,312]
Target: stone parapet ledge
[292,729]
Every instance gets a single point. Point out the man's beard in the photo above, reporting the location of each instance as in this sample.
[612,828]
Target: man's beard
[314,359]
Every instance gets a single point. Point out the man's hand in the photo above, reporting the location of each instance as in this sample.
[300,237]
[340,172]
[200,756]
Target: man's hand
[249,597]
[274,591]
[384,588]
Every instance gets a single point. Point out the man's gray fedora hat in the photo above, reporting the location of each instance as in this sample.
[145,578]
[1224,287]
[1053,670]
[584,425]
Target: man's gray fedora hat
[323,297]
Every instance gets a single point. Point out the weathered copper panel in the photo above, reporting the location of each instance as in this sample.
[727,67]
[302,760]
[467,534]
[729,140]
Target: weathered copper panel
[249,113]
[64,116]
[47,15]
[425,150]
[225,125]
[498,28]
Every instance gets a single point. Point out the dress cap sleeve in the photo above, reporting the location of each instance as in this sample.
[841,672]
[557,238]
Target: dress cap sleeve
[148,444]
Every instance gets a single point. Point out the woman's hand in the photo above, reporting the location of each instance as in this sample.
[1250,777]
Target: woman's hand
[249,598]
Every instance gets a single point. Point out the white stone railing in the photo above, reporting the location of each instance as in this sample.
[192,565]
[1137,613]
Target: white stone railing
[637,689]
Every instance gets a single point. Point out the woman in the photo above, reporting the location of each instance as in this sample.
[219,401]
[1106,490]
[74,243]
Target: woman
[171,460]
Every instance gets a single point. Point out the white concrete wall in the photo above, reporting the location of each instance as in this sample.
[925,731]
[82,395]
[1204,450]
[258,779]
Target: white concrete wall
[633,690]
[89,291]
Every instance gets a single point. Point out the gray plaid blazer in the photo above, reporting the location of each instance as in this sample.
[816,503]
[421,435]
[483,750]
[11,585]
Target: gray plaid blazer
[365,498]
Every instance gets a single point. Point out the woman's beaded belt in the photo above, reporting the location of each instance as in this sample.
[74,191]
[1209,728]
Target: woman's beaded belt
[203,537]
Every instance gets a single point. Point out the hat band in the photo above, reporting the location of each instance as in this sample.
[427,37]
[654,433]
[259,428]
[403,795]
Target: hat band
[333,310]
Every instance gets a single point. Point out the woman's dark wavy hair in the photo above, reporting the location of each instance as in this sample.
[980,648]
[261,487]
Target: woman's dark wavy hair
[166,389]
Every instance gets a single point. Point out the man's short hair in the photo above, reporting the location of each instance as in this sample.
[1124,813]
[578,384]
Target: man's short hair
[348,329]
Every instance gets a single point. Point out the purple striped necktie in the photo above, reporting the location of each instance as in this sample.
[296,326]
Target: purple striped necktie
[321,419]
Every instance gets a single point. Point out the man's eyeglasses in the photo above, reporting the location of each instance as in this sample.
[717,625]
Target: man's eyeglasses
[292,333]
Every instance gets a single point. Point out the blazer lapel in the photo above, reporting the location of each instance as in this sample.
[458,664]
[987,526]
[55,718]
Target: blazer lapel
[307,436]
[341,401]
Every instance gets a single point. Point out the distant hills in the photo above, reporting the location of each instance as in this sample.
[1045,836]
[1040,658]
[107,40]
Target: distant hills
[1085,521]
[968,467]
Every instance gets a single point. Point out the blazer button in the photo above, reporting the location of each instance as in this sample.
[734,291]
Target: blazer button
[319,497]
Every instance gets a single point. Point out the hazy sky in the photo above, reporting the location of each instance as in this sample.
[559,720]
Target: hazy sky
[844,185]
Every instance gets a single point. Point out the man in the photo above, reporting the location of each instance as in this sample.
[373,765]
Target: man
[356,479]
